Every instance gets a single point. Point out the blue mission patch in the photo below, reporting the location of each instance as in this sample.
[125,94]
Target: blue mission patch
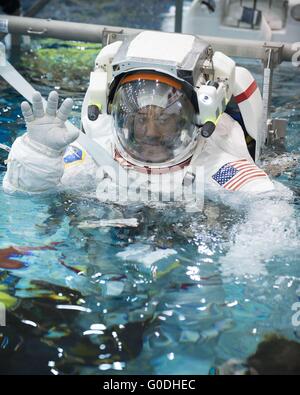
[73,154]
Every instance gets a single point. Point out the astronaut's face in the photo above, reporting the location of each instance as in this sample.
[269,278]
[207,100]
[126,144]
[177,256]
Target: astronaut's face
[153,120]
[154,130]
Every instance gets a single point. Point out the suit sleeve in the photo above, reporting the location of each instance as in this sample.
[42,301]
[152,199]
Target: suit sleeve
[227,163]
[32,168]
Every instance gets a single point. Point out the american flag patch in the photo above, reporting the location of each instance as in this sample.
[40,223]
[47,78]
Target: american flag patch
[234,175]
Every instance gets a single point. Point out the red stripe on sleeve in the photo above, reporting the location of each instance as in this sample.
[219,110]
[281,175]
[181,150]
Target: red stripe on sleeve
[247,93]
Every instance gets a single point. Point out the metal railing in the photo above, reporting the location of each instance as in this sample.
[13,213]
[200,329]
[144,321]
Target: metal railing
[62,30]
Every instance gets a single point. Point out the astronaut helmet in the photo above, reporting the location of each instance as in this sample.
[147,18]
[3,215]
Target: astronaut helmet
[154,120]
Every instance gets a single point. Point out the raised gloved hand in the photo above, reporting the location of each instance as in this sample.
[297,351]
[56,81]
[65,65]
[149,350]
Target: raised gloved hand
[48,128]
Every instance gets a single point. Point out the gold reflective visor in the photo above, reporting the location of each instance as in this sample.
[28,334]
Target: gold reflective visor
[151,77]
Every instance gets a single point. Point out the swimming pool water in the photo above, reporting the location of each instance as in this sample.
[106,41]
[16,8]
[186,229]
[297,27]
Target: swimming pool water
[174,296]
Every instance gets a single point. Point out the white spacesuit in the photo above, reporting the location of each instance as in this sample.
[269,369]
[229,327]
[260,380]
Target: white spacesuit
[156,104]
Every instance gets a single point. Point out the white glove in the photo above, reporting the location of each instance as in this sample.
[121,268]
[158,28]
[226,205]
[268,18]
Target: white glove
[48,129]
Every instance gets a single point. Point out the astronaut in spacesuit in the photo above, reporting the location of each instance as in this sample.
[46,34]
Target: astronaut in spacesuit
[156,105]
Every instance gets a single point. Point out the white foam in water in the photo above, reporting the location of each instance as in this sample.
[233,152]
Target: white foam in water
[114,288]
[145,254]
[269,229]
